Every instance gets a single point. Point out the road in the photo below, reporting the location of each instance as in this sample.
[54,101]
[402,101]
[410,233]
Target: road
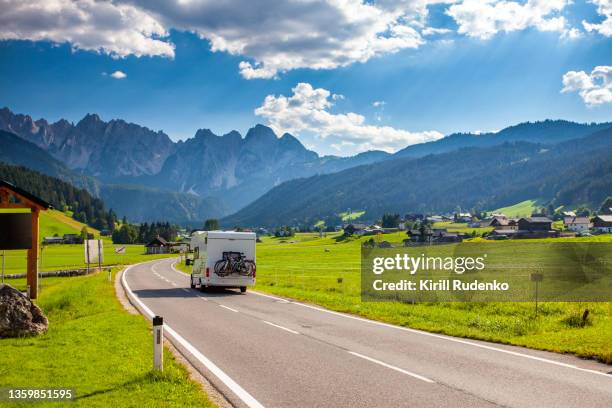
[261,350]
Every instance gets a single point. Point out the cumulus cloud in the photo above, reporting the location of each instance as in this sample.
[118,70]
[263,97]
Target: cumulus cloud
[118,75]
[379,104]
[308,110]
[594,88]
[485,18]
[281,36]
[604,8]
[115,29]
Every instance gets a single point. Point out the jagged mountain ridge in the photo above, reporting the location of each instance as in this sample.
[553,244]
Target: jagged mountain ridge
[235,168]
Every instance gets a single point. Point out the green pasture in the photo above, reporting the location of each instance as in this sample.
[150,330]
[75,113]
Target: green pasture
[326,271]
[522,209]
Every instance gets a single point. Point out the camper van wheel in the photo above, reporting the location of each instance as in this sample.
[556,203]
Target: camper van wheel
[193,285]
[243,289]
[203,288]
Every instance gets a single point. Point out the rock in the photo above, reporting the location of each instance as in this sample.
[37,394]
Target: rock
[18,315]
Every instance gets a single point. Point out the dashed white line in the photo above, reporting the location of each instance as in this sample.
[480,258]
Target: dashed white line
[373,360]
[280,327]
[247,398]
[229,308]
[185,290]
[439,336]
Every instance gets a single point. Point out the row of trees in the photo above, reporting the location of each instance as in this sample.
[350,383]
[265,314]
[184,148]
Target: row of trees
[141,234]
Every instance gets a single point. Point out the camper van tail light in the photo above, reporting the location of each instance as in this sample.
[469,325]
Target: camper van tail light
[207,272]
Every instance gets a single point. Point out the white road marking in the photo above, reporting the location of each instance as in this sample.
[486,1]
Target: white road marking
[229,308]
[247,398]
[438,336]
[185,290]
[173,284]
[420,377]
[203,298]
[280,327]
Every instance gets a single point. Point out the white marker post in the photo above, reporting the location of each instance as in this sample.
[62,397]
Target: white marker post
[158,343]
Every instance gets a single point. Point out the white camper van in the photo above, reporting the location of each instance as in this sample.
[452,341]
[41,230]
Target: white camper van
[224,259]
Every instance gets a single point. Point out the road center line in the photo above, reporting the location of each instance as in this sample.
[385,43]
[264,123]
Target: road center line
[420,377]
[247,398]
[229,308]
[280,327]
[438,336]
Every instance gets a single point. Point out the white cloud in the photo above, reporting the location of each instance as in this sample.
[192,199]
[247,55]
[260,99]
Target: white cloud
[485,18]
[119,75]
[379,104]
[278,36]
[427,31]
[571,34]
[594,88]
[604,8]
[308,110]
[115,29]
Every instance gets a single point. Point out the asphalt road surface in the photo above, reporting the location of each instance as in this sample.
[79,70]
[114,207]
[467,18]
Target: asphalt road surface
[260,350]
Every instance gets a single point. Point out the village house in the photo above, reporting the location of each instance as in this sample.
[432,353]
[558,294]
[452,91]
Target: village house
[603,223]
[463,217]
[577,224]
[358,229]
[503,223]
[157,245]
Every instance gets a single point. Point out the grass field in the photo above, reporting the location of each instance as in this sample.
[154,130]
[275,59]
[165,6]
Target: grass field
[353,215]
[326,271]
[56,257]
[461,227]
[522,209]
[96,348]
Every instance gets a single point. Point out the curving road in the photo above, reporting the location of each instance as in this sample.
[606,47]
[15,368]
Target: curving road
[261,350]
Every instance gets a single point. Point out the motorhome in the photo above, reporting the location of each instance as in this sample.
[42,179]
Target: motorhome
[223,259]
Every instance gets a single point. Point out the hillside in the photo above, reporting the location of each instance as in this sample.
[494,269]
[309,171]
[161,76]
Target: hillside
[154,204]
[220,173]
[61,195]
[544,132]
[53,222]
[141,204]
[575,171]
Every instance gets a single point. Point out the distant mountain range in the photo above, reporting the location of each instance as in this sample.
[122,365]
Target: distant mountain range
[575,171]
[230,169]
[146,176]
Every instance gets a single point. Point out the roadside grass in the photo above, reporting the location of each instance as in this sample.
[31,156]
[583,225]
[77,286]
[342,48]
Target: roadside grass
[326,271]
[95,347]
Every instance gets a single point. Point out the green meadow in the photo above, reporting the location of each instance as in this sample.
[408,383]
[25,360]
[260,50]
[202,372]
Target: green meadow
[96,348]
[326,271]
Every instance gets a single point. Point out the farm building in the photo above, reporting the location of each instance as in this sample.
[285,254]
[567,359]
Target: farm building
[157,245]
[503,223]
[53,240]
[603,223]
[577,224]
[535,224]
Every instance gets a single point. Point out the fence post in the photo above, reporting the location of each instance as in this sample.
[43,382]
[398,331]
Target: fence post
[158,343]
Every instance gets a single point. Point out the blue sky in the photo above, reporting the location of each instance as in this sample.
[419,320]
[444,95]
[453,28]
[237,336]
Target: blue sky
[472,77]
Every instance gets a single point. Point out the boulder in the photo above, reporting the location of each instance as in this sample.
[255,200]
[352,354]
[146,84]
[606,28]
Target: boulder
[18,315]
